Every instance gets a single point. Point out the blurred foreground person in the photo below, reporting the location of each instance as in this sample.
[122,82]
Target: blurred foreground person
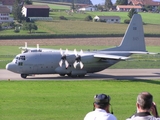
[101,109]
[146,108]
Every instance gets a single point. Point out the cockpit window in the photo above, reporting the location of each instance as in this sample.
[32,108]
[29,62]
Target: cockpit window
[22,57]
[20,63]
[17,58]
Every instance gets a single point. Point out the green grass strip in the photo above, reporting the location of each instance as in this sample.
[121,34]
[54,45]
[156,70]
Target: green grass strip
[69,100]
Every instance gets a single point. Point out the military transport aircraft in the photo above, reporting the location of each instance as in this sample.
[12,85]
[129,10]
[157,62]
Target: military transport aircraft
[77,64]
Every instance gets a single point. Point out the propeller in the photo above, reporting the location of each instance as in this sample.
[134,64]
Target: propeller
[37,47]
[78,59]
[25,45]
[64,58]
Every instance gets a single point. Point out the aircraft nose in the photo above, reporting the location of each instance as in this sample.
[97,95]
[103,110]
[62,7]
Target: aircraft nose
[10,66]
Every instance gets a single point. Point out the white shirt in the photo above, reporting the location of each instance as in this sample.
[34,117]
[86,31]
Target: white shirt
[143,118]
[99,114]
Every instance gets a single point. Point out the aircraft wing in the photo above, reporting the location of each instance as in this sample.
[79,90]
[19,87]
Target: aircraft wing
[130,52]
[115,57]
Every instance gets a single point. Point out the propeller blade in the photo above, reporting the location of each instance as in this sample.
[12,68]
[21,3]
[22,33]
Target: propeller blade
[75,64]
[81,65]
[78,59]
[25,45]
[66,52]
[63,58]
[61,51]
[81,52]
[37,47]
[60,63]
[66,63]
[75,52]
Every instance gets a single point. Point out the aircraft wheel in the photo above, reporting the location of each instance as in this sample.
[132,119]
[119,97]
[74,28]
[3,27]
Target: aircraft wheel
[81,76]
[69,74]
[23,75]
[62,74]
[73,76]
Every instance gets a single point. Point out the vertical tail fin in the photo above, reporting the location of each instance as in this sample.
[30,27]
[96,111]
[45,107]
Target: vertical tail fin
[133,39]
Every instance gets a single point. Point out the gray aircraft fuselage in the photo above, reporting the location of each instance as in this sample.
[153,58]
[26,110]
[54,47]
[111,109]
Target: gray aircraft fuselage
[48,63]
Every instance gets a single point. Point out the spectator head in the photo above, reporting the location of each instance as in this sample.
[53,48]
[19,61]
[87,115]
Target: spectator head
[145,100]
[102,100]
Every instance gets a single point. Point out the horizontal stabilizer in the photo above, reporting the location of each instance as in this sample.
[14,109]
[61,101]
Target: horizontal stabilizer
[117,57]
[140,52]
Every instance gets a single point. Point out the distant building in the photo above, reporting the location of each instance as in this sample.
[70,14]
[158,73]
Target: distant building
[143,3]
[87,8]
[128,8]
[35,11]
[108,19]
[9,4]
[4,14]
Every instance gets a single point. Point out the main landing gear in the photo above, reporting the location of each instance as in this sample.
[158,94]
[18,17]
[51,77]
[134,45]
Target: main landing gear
[24,75]
[73,76]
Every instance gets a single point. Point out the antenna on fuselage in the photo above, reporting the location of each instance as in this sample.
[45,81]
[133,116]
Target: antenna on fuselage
[23,49]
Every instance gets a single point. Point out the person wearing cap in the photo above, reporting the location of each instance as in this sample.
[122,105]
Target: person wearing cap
[145,107]
[101,109]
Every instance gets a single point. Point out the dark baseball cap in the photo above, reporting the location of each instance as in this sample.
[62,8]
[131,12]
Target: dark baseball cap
[100,99]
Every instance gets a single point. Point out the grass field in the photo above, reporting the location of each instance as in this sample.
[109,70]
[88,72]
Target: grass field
[54,6]
[81,27]
[152,18]
[76,24]
[69,100]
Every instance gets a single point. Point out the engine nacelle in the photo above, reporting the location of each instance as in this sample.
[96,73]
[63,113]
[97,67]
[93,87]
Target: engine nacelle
[62,70]
[78,72]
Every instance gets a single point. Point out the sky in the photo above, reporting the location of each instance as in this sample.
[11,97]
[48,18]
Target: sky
[100,1]
[113,1]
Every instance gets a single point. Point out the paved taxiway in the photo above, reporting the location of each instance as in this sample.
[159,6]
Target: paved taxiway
[120,74]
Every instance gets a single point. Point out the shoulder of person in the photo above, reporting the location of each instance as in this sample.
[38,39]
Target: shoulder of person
[143,118]
[89,115]
[112,117]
